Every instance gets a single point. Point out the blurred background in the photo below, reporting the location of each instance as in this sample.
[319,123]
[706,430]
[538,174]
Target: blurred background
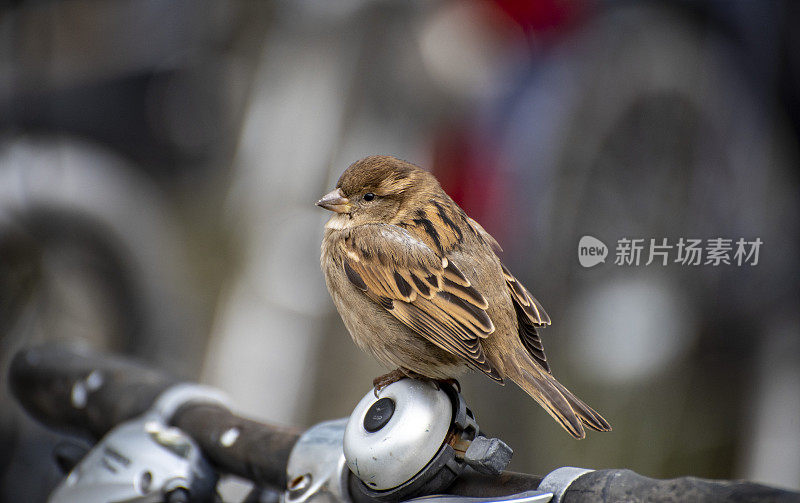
[159,164]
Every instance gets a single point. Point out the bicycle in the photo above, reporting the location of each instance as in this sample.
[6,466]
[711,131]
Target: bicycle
[163,440]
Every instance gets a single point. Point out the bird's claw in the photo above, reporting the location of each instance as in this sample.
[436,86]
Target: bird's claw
[384,380]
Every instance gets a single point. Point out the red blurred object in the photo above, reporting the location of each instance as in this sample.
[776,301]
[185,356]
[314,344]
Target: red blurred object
[470,172]
[543,15]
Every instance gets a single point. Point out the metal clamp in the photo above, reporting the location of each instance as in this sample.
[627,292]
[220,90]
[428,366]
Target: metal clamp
[175,397]
[145,460]
[559,480]
[317,471]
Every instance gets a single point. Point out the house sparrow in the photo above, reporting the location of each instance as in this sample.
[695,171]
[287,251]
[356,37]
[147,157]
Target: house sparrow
[419,285]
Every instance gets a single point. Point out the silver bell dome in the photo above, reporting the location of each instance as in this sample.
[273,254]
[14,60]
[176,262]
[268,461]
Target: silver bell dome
[391,437]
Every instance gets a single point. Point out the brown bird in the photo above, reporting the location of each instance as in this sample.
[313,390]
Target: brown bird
[419,285]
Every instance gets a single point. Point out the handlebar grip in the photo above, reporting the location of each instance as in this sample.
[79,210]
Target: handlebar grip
[249,449]
[84,392]
[629,486]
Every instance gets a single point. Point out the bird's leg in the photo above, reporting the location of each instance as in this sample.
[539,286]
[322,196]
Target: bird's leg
[384,380]
[395,375]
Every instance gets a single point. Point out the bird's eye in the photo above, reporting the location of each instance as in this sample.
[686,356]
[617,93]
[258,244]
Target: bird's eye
[369,196]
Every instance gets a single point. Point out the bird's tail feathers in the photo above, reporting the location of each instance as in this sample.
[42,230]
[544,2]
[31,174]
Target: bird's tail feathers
[589,417]
[540,388]
[567,409]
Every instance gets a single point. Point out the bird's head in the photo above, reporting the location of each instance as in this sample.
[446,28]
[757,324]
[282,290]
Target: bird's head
[377,189]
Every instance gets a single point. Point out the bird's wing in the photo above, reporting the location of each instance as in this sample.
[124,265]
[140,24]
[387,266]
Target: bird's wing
[423,290]
[534,312]
[530,313]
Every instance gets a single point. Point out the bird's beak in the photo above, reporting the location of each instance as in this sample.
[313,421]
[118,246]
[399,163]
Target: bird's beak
[335,201]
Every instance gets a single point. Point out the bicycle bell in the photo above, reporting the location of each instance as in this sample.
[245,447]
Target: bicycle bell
[416,437]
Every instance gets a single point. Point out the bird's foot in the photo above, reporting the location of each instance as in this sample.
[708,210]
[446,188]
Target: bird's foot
[395,375]
[384,380]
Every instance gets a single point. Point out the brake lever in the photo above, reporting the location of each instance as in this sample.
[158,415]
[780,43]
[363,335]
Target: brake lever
[145,460]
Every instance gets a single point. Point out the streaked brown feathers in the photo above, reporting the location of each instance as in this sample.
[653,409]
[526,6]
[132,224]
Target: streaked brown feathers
[418,284]
[426,292]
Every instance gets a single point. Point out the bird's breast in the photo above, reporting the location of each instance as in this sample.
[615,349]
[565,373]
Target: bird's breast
[375,330]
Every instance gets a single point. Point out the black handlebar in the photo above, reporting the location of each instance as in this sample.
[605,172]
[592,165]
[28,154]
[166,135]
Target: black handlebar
[53,385]
[629,486]
[56,386]
[260,454]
